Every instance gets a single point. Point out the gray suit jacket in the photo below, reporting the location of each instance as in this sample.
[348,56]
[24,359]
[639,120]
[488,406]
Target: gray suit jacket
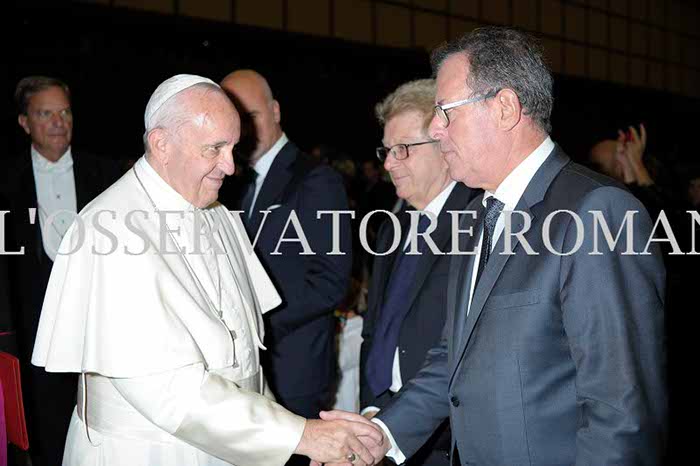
[561,359]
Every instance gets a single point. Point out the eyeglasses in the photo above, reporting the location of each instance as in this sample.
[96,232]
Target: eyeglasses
[398,151]
[441,110]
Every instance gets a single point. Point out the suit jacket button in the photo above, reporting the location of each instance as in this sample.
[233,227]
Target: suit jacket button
[455,401]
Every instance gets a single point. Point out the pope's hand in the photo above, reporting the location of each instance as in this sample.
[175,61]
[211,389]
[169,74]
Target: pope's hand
[338,440]
[377,449]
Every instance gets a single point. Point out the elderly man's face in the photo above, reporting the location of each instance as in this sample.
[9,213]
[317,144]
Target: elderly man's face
[262,112]
[200,155]
[49,122]
[419,176]
[467,142]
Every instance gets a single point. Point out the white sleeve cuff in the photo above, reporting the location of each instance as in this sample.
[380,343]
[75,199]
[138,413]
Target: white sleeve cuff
[369,409]
[394,453]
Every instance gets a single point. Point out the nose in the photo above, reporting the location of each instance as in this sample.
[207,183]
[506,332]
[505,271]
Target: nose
[436,129]
[390,161]
[226,164]
[57,120]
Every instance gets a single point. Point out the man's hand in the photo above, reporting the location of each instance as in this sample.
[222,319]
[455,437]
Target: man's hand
[336,440]
[377,449]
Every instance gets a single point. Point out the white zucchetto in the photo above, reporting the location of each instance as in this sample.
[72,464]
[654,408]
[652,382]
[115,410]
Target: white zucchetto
[168,89]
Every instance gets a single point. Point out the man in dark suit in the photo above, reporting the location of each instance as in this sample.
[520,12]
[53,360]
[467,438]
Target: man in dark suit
[54,183]
[553,348]
[300,364]
[406,310]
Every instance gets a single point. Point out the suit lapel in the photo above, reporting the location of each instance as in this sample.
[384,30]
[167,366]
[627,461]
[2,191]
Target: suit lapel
[465,265]
[441,236]
[534,194]
[82,176]
[27,199]
[275,182]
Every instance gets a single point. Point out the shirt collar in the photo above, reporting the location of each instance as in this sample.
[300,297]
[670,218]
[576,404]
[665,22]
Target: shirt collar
[44,165]
[435,206]
[262,166]
[513,186]
[162,194]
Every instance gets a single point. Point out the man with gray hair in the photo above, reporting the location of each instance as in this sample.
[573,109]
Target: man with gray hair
[553,347]
[406,309]
[156,299]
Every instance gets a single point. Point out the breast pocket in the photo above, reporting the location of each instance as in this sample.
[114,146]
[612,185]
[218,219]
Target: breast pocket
[518,299]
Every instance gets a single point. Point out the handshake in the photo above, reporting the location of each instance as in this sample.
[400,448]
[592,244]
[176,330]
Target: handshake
[343,438]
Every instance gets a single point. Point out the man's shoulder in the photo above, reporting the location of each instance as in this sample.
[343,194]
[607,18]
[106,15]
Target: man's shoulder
[582,190]
[12,177]
[576,181]
[308,172]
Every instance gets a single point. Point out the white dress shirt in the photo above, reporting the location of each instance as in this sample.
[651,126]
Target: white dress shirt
[434,207]
[56,198]
[509,192]
[262,167]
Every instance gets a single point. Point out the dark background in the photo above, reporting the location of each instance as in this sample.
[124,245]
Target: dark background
[327,88]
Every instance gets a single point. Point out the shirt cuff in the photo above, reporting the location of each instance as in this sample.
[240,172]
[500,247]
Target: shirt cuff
[394,453]
[369,409]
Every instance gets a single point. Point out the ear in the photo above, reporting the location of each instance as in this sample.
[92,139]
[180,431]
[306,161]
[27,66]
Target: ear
[24,123]
[158,145]
[276,111]
[509,109]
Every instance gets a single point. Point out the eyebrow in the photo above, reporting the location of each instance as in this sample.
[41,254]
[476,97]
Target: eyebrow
[216,145]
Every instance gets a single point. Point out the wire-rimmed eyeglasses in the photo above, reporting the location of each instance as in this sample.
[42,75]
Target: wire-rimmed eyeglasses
[398,151]
[441,110]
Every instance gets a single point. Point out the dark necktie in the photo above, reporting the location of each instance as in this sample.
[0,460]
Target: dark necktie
[247,203]
[395,308]
[491,214]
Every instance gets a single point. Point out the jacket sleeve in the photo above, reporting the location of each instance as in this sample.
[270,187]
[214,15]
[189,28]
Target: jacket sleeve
[421,405]
[326,276]
[215,415]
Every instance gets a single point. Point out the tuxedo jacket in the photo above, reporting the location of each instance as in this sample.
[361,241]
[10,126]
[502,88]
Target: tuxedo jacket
[49,398]
[29,273]
[422,326]
[300,333]
[561,358]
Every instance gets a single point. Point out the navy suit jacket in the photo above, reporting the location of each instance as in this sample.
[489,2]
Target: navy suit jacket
[300,334]
[561,359]
[422,326]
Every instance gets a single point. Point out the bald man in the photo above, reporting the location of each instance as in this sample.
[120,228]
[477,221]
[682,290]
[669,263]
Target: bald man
[301,363]
[159,308]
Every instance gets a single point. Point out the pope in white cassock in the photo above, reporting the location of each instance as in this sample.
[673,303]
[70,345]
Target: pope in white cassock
[156,299]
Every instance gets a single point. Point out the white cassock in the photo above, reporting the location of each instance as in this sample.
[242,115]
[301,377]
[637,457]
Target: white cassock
[167,344]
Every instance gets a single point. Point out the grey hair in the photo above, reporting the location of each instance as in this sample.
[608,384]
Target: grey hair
[418,95]
[172,114]
[505,58]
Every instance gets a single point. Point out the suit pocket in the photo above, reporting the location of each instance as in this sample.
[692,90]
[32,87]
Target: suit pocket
[513,300]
